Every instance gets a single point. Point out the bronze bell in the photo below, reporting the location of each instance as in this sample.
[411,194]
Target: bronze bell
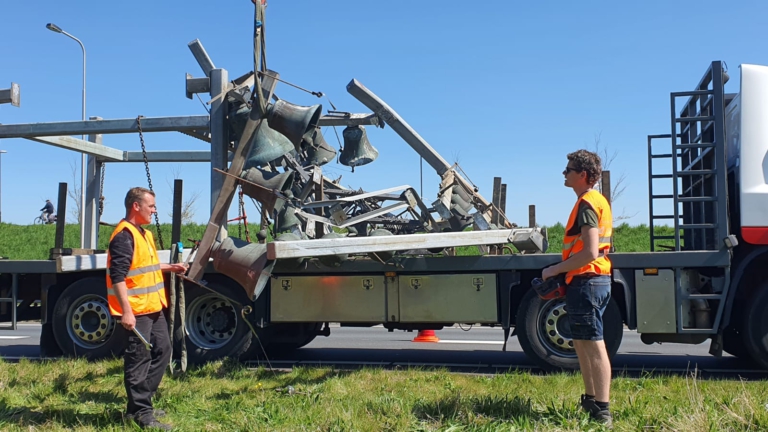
[240,260]
[333,260]
[381,256]
[268,145]
[267,182]
[287,220]
[318,151]
[357,149]
[294,121]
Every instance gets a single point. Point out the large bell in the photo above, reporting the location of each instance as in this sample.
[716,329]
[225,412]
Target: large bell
[267,183]
[240,260]
[318,151]
[268,145]
[357,149]
[333,260]
[294,121]
[385,255]
[287,221]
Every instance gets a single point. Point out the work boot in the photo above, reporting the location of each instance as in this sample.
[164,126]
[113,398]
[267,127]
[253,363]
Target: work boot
[155,413]
[596,413]
[153,424]
[584,399]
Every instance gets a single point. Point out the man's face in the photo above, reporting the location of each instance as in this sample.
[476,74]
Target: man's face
[572,175]
[144,209]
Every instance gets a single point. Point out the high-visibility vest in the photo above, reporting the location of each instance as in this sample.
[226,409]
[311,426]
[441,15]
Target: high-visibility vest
[146,288]
[574,243]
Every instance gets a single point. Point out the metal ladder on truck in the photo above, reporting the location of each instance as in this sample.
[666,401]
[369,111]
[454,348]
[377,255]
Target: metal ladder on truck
[698,177]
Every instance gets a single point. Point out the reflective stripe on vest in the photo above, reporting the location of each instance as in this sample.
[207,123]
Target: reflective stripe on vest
[144,280]
[572,244]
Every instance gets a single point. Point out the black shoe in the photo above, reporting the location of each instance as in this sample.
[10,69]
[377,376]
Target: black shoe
[156,425]
[158,413]
[583,402]
[596,413]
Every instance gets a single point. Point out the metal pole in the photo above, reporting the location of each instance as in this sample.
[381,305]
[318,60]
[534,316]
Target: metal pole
[57,29]
[219,135]
[1,184]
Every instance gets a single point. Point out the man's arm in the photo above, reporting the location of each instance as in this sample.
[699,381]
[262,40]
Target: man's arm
[128,320]
[589,235]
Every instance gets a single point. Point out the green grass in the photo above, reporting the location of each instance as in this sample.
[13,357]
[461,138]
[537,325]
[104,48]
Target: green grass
[31,242]
[225,396]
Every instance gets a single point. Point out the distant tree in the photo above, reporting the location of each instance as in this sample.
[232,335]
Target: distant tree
[618,182]
[188,208]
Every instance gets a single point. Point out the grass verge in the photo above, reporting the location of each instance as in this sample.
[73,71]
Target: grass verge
[225,396]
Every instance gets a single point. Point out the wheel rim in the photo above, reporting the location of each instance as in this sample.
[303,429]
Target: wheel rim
[554,330]
[90,324]
[211,321]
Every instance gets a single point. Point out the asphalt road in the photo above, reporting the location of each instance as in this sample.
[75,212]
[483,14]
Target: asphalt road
[476,349]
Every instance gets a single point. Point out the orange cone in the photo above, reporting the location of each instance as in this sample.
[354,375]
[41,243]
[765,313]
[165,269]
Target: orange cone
[426,336]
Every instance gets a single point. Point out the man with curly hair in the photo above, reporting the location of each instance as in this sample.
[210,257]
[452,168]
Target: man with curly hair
[587,271]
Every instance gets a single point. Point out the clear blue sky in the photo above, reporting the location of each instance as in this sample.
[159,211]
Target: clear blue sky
[505,88]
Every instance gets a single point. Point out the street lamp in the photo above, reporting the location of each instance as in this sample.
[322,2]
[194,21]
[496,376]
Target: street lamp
[1,184]
[54,28]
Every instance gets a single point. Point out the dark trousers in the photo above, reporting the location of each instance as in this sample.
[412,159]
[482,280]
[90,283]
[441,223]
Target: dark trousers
[144,369]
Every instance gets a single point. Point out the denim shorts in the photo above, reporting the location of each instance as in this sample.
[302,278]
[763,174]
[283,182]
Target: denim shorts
[585,301]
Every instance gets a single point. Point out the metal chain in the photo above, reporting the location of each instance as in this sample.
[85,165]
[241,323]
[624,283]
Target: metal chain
[240,213]
[149,178]
[101,189]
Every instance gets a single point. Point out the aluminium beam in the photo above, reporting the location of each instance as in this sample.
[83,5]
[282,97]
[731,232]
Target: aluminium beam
[107,154]
[353,245]
[11,95]
[168,156]
[117,126]
[350,120]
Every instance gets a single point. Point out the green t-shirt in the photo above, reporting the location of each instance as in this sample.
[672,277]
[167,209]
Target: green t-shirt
[585,216]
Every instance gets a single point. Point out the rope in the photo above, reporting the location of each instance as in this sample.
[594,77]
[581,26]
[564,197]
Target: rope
[149,178]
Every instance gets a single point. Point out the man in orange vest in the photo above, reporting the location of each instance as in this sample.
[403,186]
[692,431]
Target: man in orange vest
[587,272]
[136,296]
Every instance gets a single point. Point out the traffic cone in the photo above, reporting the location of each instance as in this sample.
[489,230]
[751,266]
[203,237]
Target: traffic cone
[426,336]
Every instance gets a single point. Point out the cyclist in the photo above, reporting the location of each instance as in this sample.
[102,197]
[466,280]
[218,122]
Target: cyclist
[49,214]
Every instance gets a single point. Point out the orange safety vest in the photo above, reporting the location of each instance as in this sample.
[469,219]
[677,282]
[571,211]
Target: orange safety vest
[573,243]
[146,288]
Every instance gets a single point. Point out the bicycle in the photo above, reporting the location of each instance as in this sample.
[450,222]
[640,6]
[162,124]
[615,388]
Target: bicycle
[43,220]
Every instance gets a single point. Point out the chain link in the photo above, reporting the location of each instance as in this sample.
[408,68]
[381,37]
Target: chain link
[101,189]
[149,178]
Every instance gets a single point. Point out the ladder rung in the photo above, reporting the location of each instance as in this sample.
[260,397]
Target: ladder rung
[697,226]
[662,196]
[694,145]
[661,176]
[692,93]
[664,216]
[694,119]
[697,199]
[662,237]
[695,172]
[703,296]
[661,156]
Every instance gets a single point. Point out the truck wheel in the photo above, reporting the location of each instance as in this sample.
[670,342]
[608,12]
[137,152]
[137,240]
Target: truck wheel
[756,327]
[215,328]
[545,333]
[82,325]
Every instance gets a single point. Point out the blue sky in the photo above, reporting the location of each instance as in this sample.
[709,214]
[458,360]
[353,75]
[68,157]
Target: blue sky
[505,88]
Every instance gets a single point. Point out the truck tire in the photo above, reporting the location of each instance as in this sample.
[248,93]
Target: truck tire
[215,328]
[545,333]
[756,327]
[82,324]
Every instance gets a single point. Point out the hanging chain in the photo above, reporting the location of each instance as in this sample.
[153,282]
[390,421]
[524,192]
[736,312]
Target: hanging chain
[101,189]
[242,217]
[240,214]
[149,179]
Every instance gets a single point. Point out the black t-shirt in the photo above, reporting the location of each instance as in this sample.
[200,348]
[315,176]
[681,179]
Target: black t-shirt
[121,255]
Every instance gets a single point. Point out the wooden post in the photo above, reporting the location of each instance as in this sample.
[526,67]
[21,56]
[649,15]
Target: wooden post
[531,216]
[606,185]
[178,186]
[61,216]
[496,200]
[317,177]
[503,199]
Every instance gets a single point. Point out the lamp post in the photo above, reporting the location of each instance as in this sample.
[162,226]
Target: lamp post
[54,28]
[1,184]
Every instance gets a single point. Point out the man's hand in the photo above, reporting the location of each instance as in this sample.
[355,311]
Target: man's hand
[128,320]
[179,268]
[549,272]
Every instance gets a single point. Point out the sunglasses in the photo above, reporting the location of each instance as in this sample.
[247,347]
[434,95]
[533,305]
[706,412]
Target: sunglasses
[568,169]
